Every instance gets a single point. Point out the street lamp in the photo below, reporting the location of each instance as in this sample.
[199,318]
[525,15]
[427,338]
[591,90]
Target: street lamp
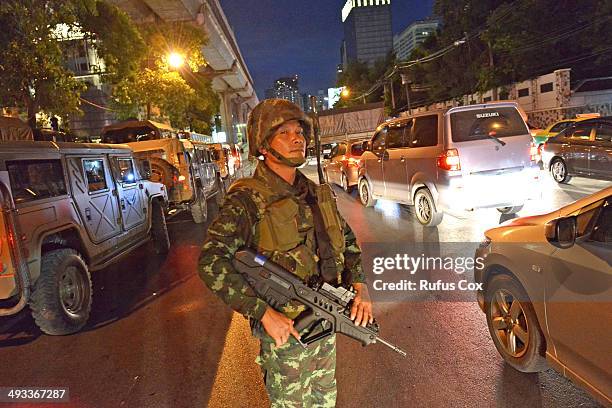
[175,60]
[346,92]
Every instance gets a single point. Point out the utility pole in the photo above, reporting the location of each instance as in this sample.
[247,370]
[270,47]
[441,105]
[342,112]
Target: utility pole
[392,95]
[492,67]
[406,83]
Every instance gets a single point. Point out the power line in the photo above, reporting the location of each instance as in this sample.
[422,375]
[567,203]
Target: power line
[96,105]
[558,34]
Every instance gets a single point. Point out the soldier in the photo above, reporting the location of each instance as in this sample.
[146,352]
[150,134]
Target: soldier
[295,223]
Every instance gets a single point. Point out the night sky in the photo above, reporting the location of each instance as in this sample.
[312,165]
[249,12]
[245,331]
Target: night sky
[286,37]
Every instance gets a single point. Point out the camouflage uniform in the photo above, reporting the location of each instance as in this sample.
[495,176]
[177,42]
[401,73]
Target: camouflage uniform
[294,377]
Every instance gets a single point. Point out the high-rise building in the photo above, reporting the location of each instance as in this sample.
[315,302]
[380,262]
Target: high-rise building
[368,35]
[286,88]
[83,60]
[413,35]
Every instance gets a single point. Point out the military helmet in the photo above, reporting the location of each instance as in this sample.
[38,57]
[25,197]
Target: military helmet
[267,116]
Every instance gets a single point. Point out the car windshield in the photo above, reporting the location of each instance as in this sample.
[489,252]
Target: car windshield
[486,123]
[560,126]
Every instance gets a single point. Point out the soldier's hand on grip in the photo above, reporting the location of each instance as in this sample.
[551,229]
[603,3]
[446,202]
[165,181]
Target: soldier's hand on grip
[278,326]
[361,309]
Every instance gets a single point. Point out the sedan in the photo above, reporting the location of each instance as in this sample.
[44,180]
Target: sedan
[343,165]
[582,149]
[547,292]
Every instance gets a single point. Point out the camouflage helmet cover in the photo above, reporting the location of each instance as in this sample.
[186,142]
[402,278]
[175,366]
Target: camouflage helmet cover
[267,116]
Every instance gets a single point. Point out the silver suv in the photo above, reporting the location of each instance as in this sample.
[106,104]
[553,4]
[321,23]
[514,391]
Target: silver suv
[68,209]
[464,158]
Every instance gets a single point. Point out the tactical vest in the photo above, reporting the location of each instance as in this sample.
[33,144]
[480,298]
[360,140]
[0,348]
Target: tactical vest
[276,232]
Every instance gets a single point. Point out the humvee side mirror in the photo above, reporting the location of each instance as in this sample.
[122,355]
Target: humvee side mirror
[145,168]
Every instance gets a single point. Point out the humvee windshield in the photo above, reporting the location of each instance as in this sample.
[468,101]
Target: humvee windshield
[36,179]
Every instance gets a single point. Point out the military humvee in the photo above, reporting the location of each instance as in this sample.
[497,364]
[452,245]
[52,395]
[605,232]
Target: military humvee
[68,209]
[186,168]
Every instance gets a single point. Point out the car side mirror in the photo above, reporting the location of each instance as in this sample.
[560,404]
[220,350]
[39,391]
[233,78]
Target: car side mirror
[562,232]
[365,146]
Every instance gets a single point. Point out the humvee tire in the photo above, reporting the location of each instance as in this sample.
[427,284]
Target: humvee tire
[61,299]
[220,196]
[199,208]
[159,229]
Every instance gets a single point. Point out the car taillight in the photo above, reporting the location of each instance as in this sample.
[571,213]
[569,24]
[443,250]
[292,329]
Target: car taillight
[449,160]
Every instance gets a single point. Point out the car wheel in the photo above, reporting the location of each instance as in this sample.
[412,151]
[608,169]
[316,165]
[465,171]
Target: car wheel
[365,194]
[425,209]
[513,324]
[61,300]
[199,208]
[510,210]
[159,229]
[558,170]
[344,184]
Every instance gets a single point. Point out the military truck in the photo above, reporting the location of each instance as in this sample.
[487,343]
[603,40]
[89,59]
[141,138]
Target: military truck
[67,209]
[186,168]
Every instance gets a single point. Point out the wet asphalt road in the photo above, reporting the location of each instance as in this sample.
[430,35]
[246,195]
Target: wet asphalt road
[158,338]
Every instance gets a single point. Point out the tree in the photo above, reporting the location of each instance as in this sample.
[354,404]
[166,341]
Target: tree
[491,43]
[360,78]
[179,95]
[33,68]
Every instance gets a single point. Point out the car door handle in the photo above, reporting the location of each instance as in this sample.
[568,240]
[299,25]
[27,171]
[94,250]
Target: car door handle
[402,159]
[122,201]
[88,214]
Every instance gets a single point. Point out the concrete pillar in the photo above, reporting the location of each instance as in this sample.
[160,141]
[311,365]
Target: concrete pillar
[227,121]
[562,87]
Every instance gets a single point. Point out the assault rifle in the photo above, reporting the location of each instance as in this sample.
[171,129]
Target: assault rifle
[327,306]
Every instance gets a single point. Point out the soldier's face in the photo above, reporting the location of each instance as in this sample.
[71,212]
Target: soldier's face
[289,140]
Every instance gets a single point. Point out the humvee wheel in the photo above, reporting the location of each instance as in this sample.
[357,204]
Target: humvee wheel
[220,191]
[159,229]
[199,208]
[61,300]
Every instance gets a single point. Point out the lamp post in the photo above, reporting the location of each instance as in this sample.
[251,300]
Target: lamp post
[346,93]
[175,60]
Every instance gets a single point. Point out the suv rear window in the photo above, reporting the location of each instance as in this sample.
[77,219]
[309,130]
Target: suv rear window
[33,180]
[482,123]
[357,149]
